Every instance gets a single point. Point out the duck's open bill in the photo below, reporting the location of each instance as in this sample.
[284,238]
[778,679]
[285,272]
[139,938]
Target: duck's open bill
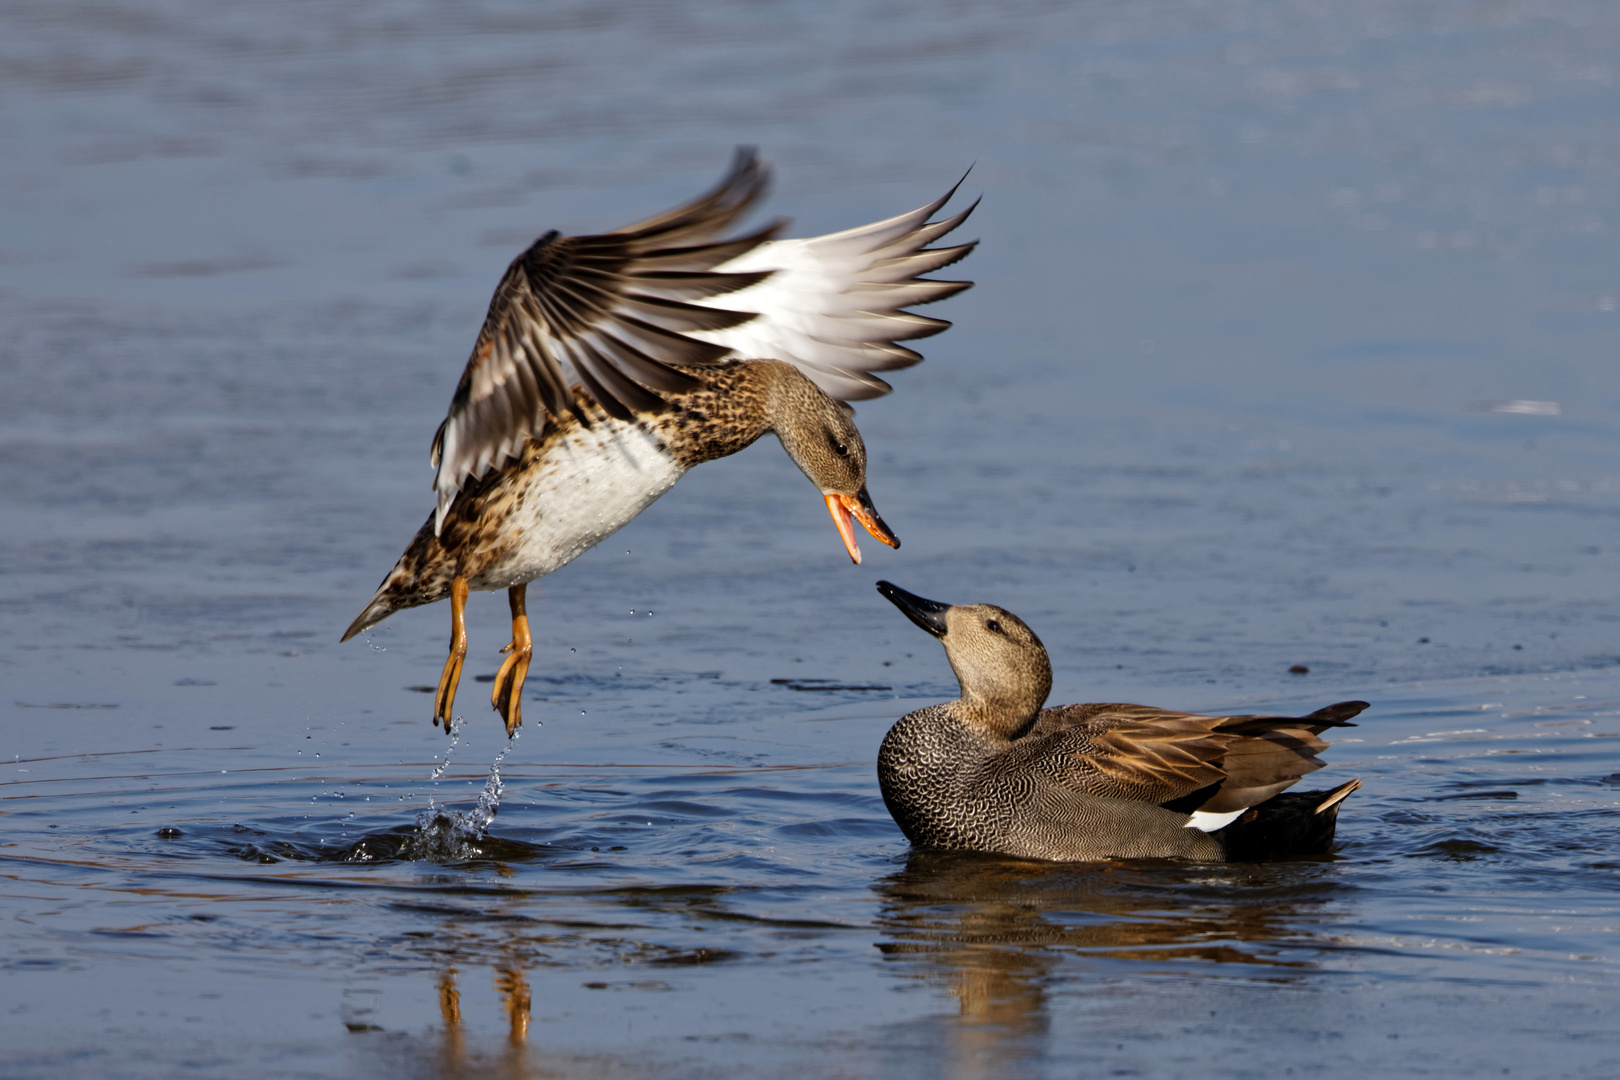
[860,505]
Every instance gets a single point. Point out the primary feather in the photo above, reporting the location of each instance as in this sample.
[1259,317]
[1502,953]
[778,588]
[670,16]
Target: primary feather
[832,305]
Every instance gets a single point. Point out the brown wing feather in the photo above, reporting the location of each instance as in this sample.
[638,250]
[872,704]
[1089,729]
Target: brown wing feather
[615,309]
[1154,755]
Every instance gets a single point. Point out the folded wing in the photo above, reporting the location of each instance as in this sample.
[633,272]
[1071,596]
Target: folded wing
[1185,761]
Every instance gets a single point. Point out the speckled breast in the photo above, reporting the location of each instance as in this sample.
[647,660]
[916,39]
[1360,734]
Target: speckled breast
[932,778]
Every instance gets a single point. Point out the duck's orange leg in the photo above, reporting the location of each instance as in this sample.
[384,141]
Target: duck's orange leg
[444,704]
[507,697]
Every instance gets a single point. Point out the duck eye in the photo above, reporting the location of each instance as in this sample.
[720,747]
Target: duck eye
[840,449]
[993,626]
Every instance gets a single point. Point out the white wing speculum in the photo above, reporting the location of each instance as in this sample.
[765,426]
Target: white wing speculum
[832,305]
[623,317]
[1204,821]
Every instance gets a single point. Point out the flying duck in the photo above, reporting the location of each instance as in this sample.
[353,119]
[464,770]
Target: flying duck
[610,365]
[993,771]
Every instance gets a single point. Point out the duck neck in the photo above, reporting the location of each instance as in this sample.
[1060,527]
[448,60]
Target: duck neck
[795,410]
[999,697]
[1003,717]
[788,396]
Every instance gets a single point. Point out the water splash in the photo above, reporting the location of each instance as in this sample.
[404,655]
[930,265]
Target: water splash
[455,740]
[446,835]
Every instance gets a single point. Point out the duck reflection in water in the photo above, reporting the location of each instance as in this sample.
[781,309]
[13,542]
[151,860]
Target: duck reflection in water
[1001,935]
[516,1001]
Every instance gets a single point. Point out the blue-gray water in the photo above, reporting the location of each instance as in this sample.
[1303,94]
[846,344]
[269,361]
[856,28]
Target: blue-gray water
[1294,343]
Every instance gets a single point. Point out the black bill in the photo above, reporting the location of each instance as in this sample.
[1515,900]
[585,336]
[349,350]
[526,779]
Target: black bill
[928,614]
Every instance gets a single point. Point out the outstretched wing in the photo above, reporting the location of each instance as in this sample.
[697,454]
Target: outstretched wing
[616,309]
[610,315]
[832,305]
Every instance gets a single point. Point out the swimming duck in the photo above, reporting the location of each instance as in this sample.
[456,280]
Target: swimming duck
[994,771]
[609,365]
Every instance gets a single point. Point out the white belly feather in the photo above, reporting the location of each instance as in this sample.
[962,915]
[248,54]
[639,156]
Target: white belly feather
[590,484]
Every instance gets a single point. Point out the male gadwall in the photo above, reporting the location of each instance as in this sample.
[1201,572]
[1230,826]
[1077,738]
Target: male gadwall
[610,365]
[993,771]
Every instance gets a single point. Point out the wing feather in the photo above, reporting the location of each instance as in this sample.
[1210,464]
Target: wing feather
[679,316]
[1152,755]
[643,368]
[709,256]
[616,315]
[689,285]
[923,262]
[834,305]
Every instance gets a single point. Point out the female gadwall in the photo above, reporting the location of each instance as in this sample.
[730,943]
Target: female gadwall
[606,368]
[993,771]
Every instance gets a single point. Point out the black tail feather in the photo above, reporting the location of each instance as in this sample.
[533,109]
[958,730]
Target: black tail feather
[1293,823]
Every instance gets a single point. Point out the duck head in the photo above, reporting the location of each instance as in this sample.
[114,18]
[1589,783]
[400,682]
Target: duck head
[1002,666]
[819,434]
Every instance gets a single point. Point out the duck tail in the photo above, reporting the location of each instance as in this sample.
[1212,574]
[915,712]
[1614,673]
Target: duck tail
[422,575]
[1330,804]
[1338,715]
[1286,825]
[375,612]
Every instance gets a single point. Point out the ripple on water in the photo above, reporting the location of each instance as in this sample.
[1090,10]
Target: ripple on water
[603,874]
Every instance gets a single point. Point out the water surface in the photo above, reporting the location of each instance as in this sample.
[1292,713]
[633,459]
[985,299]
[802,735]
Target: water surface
[1292,345]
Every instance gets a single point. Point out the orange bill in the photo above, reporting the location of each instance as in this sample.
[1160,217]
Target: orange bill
[860,505]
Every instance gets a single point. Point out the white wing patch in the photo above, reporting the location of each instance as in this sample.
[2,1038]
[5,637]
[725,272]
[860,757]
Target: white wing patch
[831,306]
[1205,822]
